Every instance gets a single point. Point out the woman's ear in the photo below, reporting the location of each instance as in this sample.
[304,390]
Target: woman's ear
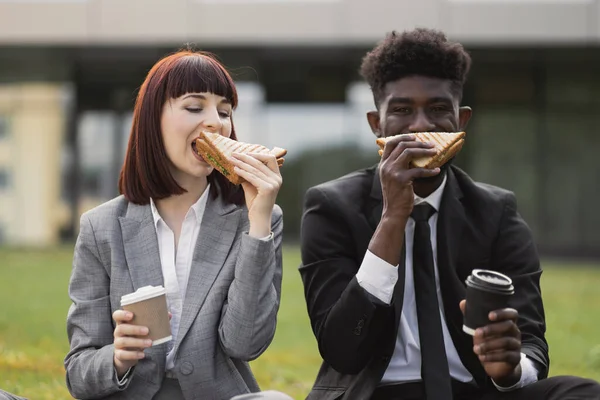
[373,119]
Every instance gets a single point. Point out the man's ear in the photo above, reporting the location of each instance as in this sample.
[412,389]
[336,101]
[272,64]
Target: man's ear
[464,116]
[373,119]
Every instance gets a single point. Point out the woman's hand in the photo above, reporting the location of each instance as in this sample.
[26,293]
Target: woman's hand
[263,181]
[129,342]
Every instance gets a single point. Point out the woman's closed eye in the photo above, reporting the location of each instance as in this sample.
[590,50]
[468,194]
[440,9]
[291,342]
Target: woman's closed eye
[194,109]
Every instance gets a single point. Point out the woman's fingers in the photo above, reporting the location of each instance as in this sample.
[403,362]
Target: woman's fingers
[261,170]
[265,163]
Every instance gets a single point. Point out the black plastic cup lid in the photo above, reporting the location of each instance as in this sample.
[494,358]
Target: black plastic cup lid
[491,280]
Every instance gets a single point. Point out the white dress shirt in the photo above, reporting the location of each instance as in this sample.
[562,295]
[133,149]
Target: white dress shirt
[176,263]
[379,278]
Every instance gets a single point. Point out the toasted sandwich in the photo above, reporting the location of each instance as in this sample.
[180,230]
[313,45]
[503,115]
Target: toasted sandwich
[216,150]
[447,144]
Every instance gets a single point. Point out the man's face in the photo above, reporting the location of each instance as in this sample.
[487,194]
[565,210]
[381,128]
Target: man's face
[418,104]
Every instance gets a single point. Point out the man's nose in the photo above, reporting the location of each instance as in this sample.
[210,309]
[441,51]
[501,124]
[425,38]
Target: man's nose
[421,123]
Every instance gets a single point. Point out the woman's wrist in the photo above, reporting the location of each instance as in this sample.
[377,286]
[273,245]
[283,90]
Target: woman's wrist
[260,226]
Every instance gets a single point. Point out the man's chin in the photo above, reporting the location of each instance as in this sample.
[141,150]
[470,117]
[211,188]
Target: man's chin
[437,178]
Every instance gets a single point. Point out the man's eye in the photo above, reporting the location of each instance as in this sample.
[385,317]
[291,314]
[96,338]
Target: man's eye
[402,110]
[438,109]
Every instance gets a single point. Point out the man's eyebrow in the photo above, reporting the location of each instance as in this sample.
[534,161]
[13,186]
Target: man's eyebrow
[440,99]
[401,100]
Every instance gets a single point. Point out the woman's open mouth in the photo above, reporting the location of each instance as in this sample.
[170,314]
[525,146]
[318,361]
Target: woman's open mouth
[196,153]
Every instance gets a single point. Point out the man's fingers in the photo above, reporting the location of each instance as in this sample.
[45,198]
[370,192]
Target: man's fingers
[391,144]
[510,357]
[498,344]
[462,305]
[504,314]
[413,153]
[417,150]
[130,330]
[497,329]
[415,173]
[132,343]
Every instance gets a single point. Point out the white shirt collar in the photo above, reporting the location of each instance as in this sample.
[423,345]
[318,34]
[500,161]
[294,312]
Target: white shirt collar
[198,207]
[435,198]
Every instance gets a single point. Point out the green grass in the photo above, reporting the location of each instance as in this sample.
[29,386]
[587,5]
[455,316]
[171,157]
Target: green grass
[34,305]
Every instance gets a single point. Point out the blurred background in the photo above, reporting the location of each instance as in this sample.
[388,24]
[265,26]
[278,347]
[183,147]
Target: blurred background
[69,74]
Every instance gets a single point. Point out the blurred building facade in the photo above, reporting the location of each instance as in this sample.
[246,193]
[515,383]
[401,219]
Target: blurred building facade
[69,71]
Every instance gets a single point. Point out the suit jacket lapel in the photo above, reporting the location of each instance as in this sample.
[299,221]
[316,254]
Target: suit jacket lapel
[141,246]
[451,222]
[217,231]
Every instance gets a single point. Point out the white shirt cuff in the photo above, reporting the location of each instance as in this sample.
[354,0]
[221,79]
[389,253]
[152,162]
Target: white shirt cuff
[377,277]
[123,381]
[267,238]
[528,375]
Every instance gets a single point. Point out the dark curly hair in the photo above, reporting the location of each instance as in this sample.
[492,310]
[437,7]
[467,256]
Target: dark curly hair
[424,52]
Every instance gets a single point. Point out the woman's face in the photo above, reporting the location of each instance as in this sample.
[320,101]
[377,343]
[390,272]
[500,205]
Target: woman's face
[182,119]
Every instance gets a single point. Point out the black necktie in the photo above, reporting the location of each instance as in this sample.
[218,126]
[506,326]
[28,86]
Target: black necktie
[434,364]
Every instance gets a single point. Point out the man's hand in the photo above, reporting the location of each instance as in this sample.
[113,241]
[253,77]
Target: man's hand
[498,346]
[398,195]
[396,176]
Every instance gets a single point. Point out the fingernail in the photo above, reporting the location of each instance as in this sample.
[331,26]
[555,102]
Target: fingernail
[141,355]
[128,315]
[476,349]
[148,342]
[144,331]
[479,332]
[492,316]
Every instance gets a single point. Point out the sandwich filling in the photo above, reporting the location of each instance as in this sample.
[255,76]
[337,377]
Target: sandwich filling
[212,160]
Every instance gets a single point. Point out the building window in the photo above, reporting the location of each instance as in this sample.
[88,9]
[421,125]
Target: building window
[3,126]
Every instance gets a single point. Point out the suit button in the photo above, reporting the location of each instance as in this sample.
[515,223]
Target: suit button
[186,368]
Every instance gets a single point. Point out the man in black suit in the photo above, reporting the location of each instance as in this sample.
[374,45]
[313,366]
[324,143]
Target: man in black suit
[387,316]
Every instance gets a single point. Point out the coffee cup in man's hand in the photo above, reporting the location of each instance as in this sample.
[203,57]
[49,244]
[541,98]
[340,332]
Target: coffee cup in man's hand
[487,291]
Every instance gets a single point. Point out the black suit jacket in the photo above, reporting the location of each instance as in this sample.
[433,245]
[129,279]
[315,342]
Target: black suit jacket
[478,227]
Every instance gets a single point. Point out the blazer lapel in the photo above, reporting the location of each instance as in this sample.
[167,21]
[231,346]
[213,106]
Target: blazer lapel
[141,246]
[374,205]
[451,222]
[217,231]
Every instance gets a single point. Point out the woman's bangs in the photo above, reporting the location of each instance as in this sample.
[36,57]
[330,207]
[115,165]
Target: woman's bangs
[198,74]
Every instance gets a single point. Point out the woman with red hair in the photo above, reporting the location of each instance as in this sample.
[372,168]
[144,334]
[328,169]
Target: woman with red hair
[214,247]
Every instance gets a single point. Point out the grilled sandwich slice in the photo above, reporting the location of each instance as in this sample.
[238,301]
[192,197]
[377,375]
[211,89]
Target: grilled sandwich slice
[217,150]
[447,144]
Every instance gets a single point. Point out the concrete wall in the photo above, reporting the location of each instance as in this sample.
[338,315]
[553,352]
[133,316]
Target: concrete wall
[297,21]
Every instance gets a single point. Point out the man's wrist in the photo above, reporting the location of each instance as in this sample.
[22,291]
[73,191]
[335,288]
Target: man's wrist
[511,379]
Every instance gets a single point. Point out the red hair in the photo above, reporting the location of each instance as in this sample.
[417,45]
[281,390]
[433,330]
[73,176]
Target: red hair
[145,173]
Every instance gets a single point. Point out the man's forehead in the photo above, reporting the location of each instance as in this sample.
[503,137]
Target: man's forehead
[418,88]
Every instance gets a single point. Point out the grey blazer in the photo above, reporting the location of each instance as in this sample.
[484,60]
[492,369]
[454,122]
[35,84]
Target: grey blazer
[229,313]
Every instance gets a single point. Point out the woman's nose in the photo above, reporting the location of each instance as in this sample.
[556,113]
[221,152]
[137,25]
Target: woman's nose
[212,121]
